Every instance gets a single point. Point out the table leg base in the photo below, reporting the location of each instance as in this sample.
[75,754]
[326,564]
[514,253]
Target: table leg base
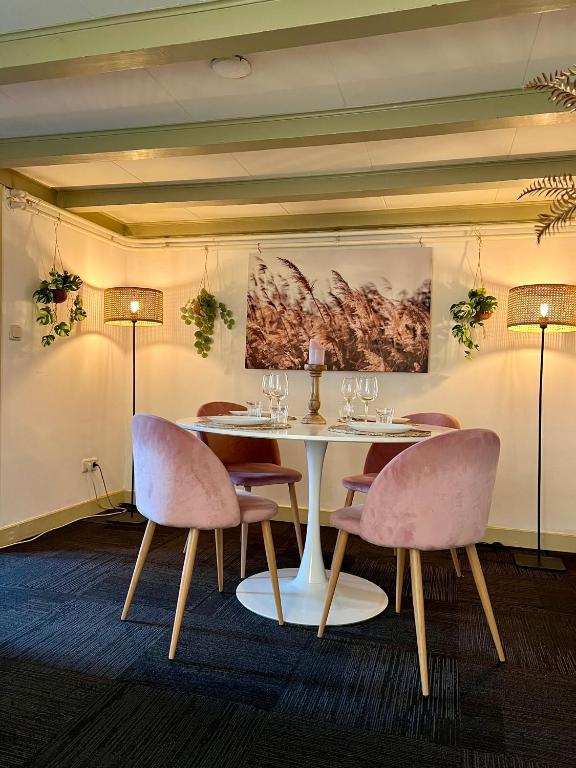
[355,599]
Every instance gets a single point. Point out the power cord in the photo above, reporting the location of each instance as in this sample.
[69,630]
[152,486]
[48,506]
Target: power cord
[106,512]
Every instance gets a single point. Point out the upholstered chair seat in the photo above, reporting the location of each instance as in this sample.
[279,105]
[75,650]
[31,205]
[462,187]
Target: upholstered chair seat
[180,483]
[253,474]
[380,454]
[252,462]
[434,495]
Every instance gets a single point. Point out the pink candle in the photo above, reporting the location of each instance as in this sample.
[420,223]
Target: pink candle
[316,353]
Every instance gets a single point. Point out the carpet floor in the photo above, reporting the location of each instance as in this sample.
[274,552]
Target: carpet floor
[80,689]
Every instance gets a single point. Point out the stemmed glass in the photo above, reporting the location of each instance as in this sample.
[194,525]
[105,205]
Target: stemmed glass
[275,387]
[348,390]
[266,390]
[279,386]
[367,391]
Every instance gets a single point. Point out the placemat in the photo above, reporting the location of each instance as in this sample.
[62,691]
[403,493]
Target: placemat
[346,429]
[240,427]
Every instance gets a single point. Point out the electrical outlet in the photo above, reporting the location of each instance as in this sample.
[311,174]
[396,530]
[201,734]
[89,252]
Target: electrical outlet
[89,465]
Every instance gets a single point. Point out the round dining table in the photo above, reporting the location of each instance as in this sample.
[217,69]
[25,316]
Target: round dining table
[303,589]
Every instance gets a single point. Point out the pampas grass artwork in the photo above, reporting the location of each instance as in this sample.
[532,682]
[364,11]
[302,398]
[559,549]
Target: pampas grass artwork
[369,308]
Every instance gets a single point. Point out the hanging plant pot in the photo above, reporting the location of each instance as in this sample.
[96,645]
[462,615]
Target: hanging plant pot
[59,295]
[481,316]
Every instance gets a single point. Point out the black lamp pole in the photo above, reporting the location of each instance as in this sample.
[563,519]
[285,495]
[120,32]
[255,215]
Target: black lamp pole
[131,516]
[529,559]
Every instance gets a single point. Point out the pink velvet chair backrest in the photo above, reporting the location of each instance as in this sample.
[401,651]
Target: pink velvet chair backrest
[380,454]
[237,450]
[434,495]
[178,480]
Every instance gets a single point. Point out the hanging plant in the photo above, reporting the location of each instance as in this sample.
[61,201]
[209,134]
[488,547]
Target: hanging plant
[202,311]
[54,291]
[472,312]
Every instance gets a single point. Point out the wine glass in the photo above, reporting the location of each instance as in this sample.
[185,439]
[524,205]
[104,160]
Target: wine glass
[266,390]
[367,390]
[278,386]
[348,390]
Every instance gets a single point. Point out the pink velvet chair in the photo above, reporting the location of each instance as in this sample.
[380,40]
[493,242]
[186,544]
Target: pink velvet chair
[252,463]
[379,454]
[434,495]
[180,483]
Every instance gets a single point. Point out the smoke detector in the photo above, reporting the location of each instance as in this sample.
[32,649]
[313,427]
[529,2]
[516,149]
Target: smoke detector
[232,67]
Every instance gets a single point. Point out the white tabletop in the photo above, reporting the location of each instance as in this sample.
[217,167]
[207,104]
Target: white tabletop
[310,432]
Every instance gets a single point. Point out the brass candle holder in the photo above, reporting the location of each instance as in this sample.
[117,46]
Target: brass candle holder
[313,416]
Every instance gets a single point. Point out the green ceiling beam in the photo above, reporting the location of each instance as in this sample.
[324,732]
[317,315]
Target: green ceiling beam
[16,180]
[430,117]
[519,213]
[404,181]
[226,27]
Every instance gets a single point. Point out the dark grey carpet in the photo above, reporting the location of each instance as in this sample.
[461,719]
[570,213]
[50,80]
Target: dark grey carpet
[80,689]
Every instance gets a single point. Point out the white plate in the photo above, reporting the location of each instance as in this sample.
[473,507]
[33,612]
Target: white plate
[241,421]
[372,427]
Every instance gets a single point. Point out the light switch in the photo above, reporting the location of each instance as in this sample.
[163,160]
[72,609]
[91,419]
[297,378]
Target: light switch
[15,332]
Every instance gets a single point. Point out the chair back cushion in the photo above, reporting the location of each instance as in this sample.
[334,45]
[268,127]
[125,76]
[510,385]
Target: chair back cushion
[237,450]
[178,480]
[380,454]
[435,494]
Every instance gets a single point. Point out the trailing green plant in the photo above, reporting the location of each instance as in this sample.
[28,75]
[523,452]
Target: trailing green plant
[471,313]
[561,190]
[202,311]
[52,292]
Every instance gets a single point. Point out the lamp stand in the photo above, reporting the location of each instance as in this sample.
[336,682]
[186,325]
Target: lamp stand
[131,516]
[537,559]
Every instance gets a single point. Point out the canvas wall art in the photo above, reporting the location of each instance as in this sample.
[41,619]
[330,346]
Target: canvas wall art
[369,308]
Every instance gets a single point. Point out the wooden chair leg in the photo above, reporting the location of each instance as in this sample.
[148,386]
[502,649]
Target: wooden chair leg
[418,599]
[480,582]
[400,568]
[140,560]
[243,549]
[219,537]
[296,517]
[337,558]
[271,558]
[349,499]
[244,541]
[456,561]
[191,545]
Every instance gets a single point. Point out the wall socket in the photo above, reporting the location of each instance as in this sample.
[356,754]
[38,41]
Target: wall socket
[89,465]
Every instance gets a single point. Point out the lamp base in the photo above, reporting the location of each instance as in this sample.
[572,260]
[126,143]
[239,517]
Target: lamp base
[130,516]
[543,563]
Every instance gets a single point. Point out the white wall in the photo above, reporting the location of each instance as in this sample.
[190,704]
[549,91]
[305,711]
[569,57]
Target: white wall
[70,401]
[497,390]
[66,402]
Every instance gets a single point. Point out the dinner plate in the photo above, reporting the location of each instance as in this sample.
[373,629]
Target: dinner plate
[241,421]
[395,420]
[384,428]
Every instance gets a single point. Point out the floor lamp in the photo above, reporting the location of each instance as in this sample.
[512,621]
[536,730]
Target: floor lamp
[132,307]
[542,308]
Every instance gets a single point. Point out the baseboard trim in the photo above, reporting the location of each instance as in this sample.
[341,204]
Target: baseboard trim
[25,529]
[509,537]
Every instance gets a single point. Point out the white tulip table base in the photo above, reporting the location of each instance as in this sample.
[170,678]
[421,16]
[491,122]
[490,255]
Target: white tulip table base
[356,599]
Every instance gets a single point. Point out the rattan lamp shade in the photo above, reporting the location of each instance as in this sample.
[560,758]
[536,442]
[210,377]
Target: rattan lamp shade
[524,307]
[119,302]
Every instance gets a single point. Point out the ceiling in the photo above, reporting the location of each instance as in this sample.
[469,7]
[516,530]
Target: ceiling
[433,66]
